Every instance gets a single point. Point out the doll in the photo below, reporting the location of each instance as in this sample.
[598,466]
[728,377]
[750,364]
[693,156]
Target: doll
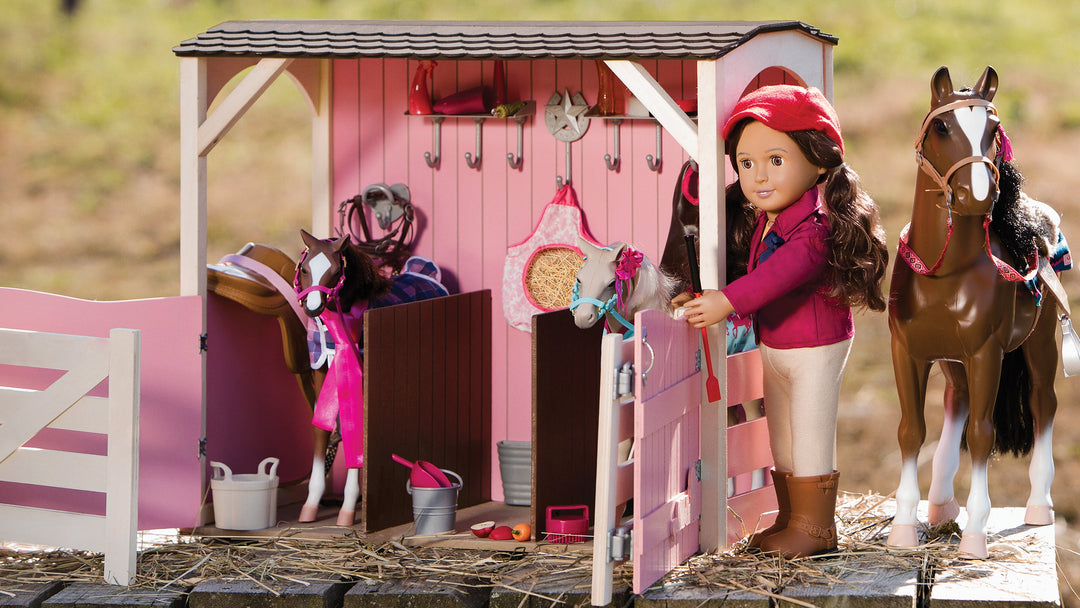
[817,250]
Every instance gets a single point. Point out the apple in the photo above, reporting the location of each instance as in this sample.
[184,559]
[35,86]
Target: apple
[483,528]
[501,533]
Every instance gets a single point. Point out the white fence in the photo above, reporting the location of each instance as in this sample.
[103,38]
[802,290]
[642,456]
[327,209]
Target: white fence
[65,404]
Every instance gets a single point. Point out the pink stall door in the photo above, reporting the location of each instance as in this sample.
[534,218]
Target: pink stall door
[661,412]
[170,488]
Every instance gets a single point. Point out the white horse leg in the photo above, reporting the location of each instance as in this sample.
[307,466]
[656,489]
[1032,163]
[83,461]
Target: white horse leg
[911,376]
[316,488]
[1040,509]
[973,541]
[317,481]
[904,532]
[347,514]
[943,506]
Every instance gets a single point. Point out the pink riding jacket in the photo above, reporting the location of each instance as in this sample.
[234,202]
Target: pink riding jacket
[784,292]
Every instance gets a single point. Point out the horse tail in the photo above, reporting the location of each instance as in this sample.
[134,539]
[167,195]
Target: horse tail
[1014,427]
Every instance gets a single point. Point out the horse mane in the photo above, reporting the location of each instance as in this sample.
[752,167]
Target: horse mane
[1017,219]
[652,289]
[363,281]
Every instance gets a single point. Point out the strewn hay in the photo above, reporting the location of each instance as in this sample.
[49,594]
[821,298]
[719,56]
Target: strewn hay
[183,561]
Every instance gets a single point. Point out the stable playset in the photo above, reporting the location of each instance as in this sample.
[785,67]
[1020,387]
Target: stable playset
[479,183]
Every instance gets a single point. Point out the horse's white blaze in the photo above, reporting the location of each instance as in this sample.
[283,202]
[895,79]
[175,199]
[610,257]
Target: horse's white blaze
[1041,470]
[908,494]
[973,123]
[318,266]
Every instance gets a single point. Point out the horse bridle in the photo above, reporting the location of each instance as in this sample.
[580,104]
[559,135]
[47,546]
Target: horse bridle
[912,259]
[394,246]
[928,168]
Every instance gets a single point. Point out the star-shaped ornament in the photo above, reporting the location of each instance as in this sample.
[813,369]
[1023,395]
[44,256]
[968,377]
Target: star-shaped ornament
[565,117]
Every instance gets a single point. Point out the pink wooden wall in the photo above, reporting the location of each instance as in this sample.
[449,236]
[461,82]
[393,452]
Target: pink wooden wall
[469,216]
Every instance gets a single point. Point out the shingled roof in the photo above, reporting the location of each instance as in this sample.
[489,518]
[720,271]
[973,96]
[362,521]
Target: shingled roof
[483,39]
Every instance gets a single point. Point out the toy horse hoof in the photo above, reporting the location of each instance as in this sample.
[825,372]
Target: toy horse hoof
[346,518]
[939,514]
[904,536]
[973,545]
[1039,515]
[308,513]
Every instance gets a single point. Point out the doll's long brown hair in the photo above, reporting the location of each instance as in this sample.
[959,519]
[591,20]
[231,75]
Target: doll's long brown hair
[857,239]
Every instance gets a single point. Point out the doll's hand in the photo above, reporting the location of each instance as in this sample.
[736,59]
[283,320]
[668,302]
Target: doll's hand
[710,308]
[681,299]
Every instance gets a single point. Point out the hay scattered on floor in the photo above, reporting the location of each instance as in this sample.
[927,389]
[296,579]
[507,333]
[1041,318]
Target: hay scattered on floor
[863,523]
[279,562]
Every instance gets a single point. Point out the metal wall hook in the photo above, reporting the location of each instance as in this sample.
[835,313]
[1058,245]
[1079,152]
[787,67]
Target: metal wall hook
[654,164]
[474,162]
[436,142]
[511,159]
[613,162]
[559,180]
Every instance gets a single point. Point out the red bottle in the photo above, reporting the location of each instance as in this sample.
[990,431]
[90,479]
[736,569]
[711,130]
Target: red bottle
[419,96]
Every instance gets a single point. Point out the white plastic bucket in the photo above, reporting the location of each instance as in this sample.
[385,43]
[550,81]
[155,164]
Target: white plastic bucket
[246,501]
[435,509]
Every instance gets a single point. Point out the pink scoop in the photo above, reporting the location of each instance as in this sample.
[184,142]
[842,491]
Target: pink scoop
[423,473]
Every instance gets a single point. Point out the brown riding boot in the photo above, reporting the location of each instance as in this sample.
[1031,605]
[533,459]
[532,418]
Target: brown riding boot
[811,527]
[782,502]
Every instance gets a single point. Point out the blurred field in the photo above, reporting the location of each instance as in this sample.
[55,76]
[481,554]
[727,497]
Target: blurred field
[89,157]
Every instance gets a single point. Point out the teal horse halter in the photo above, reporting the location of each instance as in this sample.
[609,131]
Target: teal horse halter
[611,306]
[603,309]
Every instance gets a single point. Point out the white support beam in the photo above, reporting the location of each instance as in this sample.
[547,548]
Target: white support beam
[322,151]
[193,103]
[659,103]
[239,100]
[713,253]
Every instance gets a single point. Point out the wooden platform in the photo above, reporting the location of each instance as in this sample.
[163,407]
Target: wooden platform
[1021,572]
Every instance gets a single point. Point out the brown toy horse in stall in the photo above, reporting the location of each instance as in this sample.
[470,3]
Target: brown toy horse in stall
[955,301]
[335,282]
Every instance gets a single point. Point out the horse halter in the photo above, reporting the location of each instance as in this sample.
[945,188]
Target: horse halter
[330,292]
[626,268]
[603,309]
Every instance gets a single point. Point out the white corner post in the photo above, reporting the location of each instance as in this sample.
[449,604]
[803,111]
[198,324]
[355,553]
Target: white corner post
[122,468]
[193,104]
[322,142]
[713,227]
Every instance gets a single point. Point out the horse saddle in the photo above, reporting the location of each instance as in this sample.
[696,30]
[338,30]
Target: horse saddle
[258,277]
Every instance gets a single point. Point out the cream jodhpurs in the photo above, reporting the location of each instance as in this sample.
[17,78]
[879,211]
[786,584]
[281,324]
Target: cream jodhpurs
[802,392]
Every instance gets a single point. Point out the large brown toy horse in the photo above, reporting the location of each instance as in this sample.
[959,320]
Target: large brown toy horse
[952,302]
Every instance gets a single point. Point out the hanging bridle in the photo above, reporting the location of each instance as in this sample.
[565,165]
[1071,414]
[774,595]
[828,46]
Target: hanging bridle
[912,259]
